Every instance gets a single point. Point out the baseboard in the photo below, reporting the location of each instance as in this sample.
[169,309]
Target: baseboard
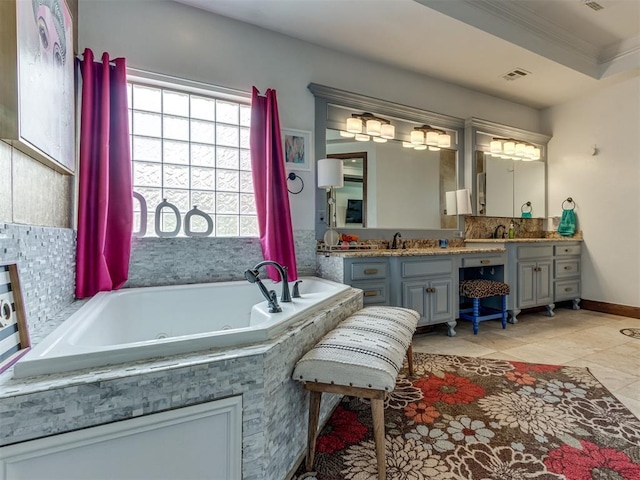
[611,308]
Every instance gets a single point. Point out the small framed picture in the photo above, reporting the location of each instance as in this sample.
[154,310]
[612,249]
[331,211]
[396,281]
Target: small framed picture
[14,338]
[297,149]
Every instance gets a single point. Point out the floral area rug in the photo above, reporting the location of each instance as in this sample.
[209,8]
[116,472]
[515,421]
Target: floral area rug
[468,418]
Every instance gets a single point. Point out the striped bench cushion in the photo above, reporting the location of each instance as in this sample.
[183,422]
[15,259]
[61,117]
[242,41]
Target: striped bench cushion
[483,288]
[365,350]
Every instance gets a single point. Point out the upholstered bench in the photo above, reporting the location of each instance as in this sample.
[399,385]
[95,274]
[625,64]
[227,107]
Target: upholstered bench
[481,288]
[361,357]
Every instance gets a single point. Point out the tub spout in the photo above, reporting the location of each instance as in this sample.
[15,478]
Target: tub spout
[286,295]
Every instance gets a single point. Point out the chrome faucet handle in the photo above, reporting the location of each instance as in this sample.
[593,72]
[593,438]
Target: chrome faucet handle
[296,290]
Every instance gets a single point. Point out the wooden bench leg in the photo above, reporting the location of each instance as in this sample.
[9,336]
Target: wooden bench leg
[314,414]
[377,412]
[410,359]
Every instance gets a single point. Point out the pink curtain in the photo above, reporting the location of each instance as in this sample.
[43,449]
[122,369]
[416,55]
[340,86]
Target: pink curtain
[105,203]
[270,184]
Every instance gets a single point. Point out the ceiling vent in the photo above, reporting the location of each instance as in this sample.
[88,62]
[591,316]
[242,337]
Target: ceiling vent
[592,5]
[515,74]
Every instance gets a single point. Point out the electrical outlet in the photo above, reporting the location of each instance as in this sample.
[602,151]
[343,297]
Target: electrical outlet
[322,214]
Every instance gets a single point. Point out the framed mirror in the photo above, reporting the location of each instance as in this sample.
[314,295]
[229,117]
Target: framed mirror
[403,188]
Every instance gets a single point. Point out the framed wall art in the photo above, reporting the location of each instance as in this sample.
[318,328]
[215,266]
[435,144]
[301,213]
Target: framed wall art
[14,337]
[37,112]
[297,149]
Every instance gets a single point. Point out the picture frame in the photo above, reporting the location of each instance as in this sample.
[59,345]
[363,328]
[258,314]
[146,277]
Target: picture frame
[37,84]
[14,334]
[297,149]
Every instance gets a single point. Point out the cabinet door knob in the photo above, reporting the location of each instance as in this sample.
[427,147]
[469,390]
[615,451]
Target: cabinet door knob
[567,268]
[567,250]
[371,271]
[568,289]
[431,290]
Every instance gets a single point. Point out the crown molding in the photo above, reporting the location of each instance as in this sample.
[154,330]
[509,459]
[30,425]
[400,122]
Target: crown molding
[618,50]
[492,128]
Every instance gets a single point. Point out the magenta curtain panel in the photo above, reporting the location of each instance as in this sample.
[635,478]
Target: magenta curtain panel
[270,184]
[105,197]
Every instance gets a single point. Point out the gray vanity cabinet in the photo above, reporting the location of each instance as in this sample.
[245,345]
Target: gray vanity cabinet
[533,272]
[371,275]
[427,286]
[567,271]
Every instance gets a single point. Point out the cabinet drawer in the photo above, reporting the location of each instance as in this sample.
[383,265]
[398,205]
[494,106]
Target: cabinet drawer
[567,290]
[421,268]
[535,252]
[373,292]
[562,250]
[567,268]
[369,270]
[482,261]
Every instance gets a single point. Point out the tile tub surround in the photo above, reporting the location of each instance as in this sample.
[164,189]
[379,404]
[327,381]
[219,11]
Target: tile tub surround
[180,260]
[274,406]
[46,258]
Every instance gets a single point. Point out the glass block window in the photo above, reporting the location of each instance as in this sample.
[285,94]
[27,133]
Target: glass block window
[192,150]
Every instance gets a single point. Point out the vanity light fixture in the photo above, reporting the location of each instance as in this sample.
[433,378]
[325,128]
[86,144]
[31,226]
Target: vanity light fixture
[369,124]
[513,149]
[435,139]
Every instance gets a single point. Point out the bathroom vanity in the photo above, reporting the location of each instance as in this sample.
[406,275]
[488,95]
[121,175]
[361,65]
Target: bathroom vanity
[540,272]
[424,279]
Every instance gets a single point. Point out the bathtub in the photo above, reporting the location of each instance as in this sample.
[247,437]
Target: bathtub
[142,323]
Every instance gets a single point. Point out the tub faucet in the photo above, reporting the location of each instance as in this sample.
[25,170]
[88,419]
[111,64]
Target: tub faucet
[495,232]
[270,295]
[253,273]
[396,237]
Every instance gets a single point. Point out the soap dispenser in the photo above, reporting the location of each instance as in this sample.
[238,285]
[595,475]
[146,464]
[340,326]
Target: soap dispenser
[512,230]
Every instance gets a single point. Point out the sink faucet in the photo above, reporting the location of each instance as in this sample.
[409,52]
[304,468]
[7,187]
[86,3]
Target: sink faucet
[495,232]
[396,237]
[252,276]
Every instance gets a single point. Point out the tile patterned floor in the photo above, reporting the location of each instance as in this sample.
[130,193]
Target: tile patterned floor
[573,337]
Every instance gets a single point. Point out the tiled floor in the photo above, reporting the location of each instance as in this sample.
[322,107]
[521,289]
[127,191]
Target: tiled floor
[573,337]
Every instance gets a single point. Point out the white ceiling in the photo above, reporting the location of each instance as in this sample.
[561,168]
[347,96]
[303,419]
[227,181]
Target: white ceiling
[567,47]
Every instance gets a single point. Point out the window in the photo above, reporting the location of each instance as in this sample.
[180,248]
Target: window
[191,149]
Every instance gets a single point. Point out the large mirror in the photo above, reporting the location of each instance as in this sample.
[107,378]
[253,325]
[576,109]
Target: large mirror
[392,186]
[507,185]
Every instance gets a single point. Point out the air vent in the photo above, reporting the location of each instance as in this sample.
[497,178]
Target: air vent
[592,5]
[515,74]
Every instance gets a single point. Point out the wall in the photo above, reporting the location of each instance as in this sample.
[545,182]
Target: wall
[175,39]
[604,186]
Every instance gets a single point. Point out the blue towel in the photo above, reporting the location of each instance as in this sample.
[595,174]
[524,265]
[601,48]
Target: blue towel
[567,225]
[526,215]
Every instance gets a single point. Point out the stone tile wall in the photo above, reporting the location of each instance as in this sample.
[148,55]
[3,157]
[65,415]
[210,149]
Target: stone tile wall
[46,258]
[174,261]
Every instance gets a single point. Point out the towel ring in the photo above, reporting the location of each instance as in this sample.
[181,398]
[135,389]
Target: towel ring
[293,176]
[569,200]
[524,205]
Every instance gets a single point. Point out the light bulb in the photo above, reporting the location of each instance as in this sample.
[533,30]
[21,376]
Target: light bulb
[495,146]
[536,154]
[360,137]
[388,131]
[373,128]
[520,149]
[417,137]
[444,140]
[432,138]
[347,134]
[354,125]
[509,148]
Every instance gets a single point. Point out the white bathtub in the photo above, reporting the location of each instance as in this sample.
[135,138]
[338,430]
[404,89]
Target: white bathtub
[140,323]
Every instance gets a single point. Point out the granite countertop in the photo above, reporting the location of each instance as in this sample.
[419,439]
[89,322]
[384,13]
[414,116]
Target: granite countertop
[522,240]
[411,252]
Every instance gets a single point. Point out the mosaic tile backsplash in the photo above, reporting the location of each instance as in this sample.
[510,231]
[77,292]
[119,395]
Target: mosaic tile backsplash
[175,261]
[46,258]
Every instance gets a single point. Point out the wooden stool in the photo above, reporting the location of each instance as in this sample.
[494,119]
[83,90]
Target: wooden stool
[361,357]
[477,289]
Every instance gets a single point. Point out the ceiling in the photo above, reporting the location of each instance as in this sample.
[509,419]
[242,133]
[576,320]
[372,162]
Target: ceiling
[566,48]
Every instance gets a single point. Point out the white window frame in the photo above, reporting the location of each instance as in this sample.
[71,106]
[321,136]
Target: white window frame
[181,85]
